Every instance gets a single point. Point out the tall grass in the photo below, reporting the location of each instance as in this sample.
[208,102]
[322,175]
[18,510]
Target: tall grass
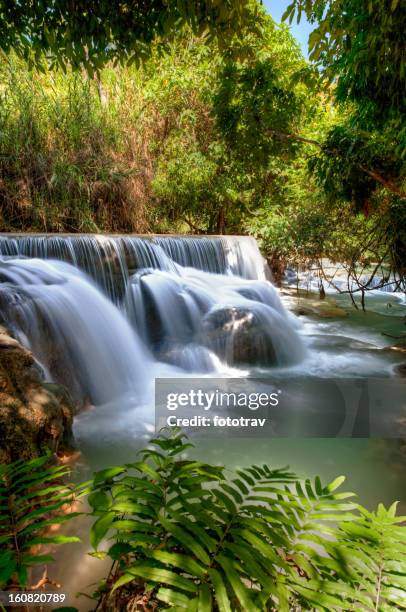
[76,154]
[82,155]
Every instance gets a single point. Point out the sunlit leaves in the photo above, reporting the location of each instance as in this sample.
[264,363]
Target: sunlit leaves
[261,541]
[360,46]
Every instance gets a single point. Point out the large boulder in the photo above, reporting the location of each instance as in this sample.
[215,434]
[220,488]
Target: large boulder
[252,334]
[238,337]
[34,416]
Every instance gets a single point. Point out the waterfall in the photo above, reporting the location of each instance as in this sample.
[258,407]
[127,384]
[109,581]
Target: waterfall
[109,260]
[75,332]
[99,311]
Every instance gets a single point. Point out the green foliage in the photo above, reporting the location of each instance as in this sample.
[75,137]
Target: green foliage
[33,502]
[182,535]
[257,96]
[360,45]
[376,551]
[236,139]
[180,144]
[89,33]
[345,155]
[55,141]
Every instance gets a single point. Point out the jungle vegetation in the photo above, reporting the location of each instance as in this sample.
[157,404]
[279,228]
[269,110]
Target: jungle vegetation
[184,535]
[210,121]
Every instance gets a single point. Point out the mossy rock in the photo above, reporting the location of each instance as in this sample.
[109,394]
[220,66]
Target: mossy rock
[34,416]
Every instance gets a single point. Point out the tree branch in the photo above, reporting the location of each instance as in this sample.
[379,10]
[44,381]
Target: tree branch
[192,226]
[389,185]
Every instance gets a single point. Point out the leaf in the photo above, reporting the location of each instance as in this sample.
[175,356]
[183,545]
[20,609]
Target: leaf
[240,590]
[58,539]
[330,488]
[128,507]
[99,501]
[288,11]
[183,562]
[108,474]
[205,600]
[7,571]
[118,549]
[28,559]
[124,579]
[222,599]
[147,469]
[173,598]
[158,575]
[100,528]
[186,540]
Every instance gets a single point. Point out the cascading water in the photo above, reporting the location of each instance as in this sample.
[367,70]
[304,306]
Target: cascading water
[240,321]
[75,332]
[101,312]
[110,259]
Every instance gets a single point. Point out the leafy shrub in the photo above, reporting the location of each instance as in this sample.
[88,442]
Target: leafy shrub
[183,536]
[33,499]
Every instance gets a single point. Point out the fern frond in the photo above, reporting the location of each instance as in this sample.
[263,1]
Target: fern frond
[33,498]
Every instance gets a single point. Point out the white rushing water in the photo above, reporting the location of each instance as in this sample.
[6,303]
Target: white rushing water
[105,315]
[102,313]
[62,316]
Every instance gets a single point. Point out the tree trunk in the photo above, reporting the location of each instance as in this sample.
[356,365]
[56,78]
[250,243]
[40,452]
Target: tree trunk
[220,221]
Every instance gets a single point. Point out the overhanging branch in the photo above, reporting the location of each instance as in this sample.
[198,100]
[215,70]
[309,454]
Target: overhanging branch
[389,185]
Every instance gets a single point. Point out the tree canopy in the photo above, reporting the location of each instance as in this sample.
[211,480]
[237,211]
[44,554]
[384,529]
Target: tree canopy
[89,33]
[360,46]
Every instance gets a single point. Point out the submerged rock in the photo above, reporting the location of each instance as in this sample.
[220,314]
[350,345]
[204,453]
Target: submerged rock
[302,304]
[34,416]
[399,347]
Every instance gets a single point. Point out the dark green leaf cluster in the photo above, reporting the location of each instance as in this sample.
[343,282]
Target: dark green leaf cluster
[252,102]
[33,501]
[346,153]
[183,534]
[89,33]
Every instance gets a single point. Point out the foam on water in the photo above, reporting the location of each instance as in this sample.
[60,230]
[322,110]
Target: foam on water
[106,314]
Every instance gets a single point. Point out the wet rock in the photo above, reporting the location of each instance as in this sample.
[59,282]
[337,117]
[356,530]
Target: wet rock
[237,336]
[34,416]
[399,347]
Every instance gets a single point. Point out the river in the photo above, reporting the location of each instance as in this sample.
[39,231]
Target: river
[115,312]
